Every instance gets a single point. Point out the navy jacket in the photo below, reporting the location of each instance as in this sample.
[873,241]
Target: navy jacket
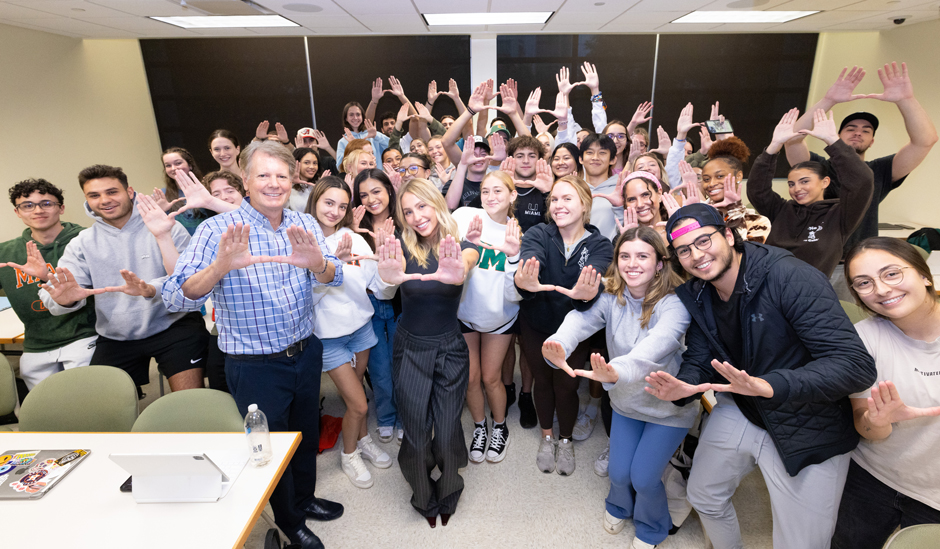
[545,311]
[797,338]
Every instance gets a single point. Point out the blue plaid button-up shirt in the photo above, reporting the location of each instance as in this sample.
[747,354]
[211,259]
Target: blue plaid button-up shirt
[263,308]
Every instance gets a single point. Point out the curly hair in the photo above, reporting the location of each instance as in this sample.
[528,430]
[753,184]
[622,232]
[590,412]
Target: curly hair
[28,186]
[732,151]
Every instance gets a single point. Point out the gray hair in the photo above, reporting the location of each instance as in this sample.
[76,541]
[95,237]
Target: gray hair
[266,148]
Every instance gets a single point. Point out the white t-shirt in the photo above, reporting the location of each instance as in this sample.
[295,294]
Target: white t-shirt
[907,460]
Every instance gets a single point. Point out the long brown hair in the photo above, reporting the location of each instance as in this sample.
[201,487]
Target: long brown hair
[664,284]
[323,185]
[900,249]
[172,189]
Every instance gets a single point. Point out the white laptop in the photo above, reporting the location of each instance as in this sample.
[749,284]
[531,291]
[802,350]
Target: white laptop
[181,477]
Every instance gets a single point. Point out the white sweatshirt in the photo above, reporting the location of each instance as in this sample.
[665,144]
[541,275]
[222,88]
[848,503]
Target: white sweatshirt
[490,302]
[344,309]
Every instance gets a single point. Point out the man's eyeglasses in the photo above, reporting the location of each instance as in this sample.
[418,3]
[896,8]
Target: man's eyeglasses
[703,243]
[27,207]
[413,170]
[617,136]
[891,277]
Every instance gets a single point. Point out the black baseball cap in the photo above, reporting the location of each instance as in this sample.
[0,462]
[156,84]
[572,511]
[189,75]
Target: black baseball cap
[866,116]
[703,214]
[480,141]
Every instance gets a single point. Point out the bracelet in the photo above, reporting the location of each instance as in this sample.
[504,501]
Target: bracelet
[597,97]
[471,111]
[680,140]
[326,265]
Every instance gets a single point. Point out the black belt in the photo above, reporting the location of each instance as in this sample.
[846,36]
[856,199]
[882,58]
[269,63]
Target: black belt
[291,350]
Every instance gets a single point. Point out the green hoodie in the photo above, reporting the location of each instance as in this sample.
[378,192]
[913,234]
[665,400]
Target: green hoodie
[44,332]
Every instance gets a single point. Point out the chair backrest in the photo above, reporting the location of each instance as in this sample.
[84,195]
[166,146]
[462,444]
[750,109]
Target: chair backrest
[855,313]
[90,398]
[7,387]
[191,411]
[921,536]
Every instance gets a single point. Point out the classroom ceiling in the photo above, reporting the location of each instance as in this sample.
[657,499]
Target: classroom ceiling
[129,18]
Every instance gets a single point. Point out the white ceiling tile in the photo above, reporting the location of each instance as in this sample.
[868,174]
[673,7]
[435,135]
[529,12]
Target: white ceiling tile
[317,21]
[589,6]
[645,19]
[671,5]
[11,12]
[281,31]
[227,32]
[856,26]
[883,5]
[444,6]
[745,27]
[561,22]
[771,5]
[826,7]
[508,6]
[67,8]
[686,27]
[131,24]
[367,7]
[147,8]
[820,20]
[911,17]
[398,24]
[515,29]
[76,27]
[575,27]
[327,7]
[339,31]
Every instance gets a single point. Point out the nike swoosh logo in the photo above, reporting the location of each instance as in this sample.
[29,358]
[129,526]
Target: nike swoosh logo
[195,361]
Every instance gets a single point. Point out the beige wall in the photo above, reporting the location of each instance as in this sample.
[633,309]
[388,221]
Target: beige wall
[918,199]
[67,103]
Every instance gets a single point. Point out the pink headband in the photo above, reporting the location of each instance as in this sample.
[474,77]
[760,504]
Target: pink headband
[679,232]
[645,175]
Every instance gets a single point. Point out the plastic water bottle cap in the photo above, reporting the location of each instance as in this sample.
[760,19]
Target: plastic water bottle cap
[252,408]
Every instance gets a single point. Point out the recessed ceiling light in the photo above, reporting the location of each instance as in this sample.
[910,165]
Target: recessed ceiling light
[462,19]
[742,16]
[227,21]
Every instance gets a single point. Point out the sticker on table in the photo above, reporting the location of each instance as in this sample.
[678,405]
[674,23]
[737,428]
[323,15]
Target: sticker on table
[5,459]
[30,482]
[4,469]
[24,458]
[71,457]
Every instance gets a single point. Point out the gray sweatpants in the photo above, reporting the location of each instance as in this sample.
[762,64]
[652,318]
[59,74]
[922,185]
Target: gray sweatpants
[804,507]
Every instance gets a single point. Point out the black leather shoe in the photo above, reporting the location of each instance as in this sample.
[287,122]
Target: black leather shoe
[304,537]
[432,521]
[444,518]
[323,509]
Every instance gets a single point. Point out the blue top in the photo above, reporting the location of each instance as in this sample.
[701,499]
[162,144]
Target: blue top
[379,144]
[263,308]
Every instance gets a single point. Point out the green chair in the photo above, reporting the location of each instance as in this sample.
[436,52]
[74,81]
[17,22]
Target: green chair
[855,313]
[7,390]
[921,536]
[923,253]
[191,411]
[89,399]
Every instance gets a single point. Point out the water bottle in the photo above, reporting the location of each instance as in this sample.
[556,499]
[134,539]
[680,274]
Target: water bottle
[259,438]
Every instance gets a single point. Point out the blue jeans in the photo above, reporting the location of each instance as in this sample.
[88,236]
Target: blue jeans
[871,510]
[287,390]
[639,453]
[380,362]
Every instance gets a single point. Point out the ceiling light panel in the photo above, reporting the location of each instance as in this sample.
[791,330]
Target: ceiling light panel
[228,21]
[742,16]
[509,18]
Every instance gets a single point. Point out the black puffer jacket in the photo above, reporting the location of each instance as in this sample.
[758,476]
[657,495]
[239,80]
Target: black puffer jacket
[797,338]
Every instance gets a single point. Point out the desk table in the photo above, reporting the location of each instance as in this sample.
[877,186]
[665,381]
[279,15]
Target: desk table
[11,329]
[87,509]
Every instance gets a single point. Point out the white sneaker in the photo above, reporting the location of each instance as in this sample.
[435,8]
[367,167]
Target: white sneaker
[640,544]
[583,427]
[373,453]
[355,469]
[399,436]
[603,462]
[612,524]
[386,433]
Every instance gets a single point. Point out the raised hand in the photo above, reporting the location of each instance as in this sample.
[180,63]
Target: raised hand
[636,148]
[615,198]
[478,99]
[732,191]
[160,198]
[561,108]
[35,265]
[509,103]
[715,112]
[897,84]
[319,140]
[685,124]
[344,248]
[442,172]
[841,91]
[706,139]
[452,91]
[234,252]
[489,94]
[527,277]
[423,113]
[670,203]
[498,147]
[641,116]
[784,131]
[377,91]
[261,132]
[563,79]
[600,370]
[629,220]
[540,126]
[509,166]
[512,241]
[586,287]
[824,128]
[370,128]
[133,286]
[532,103]
[64,290]
[591,79]
[392,263]
[664,386]
[662,142]
[555,353]
[450,266]
[359,212]
[305,251]
[886,407]
[282,133]
[475,231]
[395,178]
[397,90]
[543,176]
[347,133]
[690,182]
[432,92]
[156,220]
[740,382]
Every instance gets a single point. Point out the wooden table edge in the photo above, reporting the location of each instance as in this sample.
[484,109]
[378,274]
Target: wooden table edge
[256,514]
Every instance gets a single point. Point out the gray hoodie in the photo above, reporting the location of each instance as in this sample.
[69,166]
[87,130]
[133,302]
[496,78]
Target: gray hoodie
[636,353]
[96,256]
[603,212]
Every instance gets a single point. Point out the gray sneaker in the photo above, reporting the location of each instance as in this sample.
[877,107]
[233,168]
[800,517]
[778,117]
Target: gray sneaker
[545,459]
[564,458]
[603,461]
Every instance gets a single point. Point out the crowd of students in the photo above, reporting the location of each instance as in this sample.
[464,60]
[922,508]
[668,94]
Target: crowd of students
[641,270]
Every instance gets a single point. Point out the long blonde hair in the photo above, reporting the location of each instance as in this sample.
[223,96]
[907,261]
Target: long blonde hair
[418,246]
[506,180]
[661,286]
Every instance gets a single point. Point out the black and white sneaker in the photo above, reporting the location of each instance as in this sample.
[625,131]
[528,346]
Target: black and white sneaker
[498,443]
[478,445]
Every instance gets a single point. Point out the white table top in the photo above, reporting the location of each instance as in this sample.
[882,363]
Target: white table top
[10,327]
[87,509]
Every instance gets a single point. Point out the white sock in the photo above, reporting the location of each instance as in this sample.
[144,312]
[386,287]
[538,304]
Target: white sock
[592,408]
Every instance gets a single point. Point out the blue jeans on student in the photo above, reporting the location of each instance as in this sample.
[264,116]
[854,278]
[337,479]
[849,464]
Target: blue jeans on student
[287,390]
[380,362]
[639,453]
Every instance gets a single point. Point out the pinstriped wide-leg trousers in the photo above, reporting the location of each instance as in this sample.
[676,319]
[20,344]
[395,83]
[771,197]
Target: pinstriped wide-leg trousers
[431,375]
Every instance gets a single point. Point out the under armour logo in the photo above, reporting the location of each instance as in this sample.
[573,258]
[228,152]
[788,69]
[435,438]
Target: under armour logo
[757,318]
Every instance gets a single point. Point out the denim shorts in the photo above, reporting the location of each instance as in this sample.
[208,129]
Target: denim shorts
[340,350]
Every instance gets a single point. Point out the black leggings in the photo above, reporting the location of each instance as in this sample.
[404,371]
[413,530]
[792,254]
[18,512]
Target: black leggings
[555,390]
